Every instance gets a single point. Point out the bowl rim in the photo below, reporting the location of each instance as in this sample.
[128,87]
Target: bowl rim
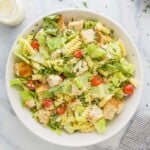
[124,32]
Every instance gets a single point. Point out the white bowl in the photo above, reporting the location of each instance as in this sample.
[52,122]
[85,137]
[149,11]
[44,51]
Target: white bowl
[79,139]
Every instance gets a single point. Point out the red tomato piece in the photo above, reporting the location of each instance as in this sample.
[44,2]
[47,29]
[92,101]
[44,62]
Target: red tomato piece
[31,84]
[78,53]
[35,45]
[60,110]
[128,89]
[47,102]
[97,80]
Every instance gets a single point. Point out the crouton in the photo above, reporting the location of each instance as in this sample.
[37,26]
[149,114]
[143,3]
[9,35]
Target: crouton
[76,25]
[102,39]
[54,80]
[121,104]
[43,116]
[112,107]
[88,35]
[23,70]
[104,101]
[61,23]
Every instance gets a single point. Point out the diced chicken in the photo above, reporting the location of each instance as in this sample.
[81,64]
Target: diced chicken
[76,25]
[76,91]
[80,67]
[112,107]
[88,35]
[30,103]
[61,23]
[43,116]
[23,70]
[54,80]
[56,53]
[95,114]
[40,90]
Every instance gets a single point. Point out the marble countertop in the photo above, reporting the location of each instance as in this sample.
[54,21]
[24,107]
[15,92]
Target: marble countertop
[128,13]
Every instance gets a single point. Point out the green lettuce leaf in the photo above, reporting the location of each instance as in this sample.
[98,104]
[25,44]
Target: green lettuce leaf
[100,125]
[19,82]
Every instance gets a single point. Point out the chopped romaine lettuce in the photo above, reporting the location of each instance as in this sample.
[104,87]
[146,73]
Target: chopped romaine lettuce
[55,43]
[19,82]
[100,125]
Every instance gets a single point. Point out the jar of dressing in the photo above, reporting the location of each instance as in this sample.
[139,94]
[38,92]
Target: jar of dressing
[11,12]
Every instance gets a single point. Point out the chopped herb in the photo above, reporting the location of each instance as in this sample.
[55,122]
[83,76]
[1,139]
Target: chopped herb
[85,4]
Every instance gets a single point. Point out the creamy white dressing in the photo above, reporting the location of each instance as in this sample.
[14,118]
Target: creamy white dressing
[11,12]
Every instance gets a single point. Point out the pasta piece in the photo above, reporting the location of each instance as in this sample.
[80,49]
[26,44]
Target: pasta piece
[27,49]
[30,38]
[72,46]
[53,62]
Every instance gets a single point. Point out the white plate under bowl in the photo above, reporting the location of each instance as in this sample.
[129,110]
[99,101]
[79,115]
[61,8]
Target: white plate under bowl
[79,139]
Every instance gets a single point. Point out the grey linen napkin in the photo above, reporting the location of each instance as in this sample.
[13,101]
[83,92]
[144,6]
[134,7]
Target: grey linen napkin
[138,135]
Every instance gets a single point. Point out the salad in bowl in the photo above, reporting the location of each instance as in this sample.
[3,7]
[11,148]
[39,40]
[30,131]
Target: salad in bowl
[73,75]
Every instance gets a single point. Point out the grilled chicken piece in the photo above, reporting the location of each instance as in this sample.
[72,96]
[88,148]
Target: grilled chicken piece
[23,70]
[88,35]
[76,25]
[54,80]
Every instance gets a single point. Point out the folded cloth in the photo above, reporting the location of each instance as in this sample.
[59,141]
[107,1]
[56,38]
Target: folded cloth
[138,134]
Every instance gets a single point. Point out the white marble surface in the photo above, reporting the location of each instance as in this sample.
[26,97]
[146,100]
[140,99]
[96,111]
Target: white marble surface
[13,134]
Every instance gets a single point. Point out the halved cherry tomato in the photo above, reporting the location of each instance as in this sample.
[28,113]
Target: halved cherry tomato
[31,84]
[78,53]
[60,110]
[97,80]
[128,89]
[47,102]
[35,45]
